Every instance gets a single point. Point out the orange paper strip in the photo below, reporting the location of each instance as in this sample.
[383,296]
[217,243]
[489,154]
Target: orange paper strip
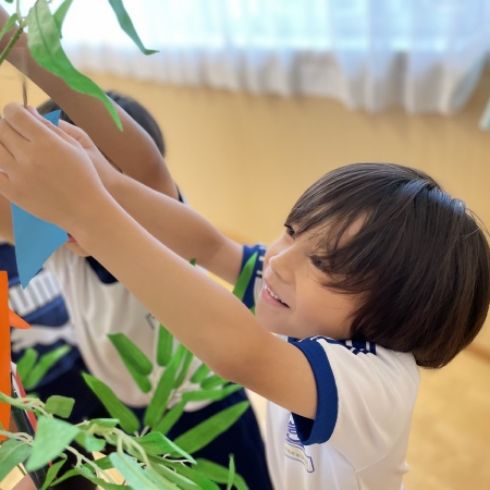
[7,319]
[16,321]
[5,386]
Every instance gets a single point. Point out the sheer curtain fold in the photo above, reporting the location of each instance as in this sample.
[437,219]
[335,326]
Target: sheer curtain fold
[424,55]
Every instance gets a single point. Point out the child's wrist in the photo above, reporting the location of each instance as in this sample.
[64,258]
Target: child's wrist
[114,183]
[91,216]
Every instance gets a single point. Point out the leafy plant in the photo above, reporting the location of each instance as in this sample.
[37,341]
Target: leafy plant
[44,44]
[32,368]
[144,455]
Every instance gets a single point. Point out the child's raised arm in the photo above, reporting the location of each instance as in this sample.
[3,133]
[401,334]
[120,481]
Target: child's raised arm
[132,150]
[179,227]
[56,179]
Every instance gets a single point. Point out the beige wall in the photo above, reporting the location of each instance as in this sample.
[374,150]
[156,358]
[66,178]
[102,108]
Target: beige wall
[243,160]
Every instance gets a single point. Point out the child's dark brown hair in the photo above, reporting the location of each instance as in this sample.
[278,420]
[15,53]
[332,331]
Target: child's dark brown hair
[420,262]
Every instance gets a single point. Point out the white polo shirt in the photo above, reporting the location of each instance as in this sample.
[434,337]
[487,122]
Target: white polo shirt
[98,308]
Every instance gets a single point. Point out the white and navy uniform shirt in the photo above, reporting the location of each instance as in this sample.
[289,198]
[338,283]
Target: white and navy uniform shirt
[358,438]
[42,306]
[100,305]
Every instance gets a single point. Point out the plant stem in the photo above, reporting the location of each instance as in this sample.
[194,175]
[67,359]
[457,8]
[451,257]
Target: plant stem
[19,436]
[81,458]
[10,44]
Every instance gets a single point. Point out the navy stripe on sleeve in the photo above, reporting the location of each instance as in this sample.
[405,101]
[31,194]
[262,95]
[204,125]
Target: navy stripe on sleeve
[321,428]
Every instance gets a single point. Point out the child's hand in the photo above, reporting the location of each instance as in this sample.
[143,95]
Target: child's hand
[106,171]
[46,172]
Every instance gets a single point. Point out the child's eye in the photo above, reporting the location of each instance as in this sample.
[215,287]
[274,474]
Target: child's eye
[319,262]
[290,230]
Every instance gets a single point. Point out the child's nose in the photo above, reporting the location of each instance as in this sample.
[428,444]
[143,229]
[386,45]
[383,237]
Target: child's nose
[281,264]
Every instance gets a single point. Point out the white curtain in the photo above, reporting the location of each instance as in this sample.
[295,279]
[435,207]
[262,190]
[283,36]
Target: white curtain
[425,55]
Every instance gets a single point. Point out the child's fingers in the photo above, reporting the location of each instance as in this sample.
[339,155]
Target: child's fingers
[10,140]
[75,133]
[6,162]
[52,127]
[24,122]
[4,184]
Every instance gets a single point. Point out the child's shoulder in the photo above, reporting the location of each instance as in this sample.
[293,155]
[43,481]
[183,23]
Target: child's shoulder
[365,398]
[358,380]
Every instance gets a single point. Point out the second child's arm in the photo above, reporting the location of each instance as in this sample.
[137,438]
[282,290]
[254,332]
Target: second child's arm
[132,150]
[179,227]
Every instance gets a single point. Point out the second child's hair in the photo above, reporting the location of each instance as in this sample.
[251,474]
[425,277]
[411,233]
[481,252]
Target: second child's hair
[419,261]
[139,113]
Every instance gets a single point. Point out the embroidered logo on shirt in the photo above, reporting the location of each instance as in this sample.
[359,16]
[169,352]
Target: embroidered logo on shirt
[295,450]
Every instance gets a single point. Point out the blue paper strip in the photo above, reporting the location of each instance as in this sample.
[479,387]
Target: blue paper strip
[35,239]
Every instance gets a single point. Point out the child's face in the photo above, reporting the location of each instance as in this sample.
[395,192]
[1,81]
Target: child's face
[294,300]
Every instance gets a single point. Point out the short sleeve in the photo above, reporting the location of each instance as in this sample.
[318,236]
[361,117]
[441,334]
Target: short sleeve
[365,397]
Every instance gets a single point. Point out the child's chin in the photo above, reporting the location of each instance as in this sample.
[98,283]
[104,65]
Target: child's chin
[76,249]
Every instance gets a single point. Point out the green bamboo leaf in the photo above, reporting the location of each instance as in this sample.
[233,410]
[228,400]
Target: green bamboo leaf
[45,363]
[202,480]
[66,476]
[60,14]
[26,363]
[132,472]
[52,473]
[86,471]
[8,25]
[12,453]
[143,382]
[203,433]
[104,463]
[184,368]
[90,443]
[155,443]
[213,382]
[131,353]
[231,473]
[159,480]
[164,346]
[163,390]
[127,25]
[214,395]
[51,439]
[135,360]
[219,473]
[61,406]
[170,418]
[45,47]
[200,374]
[113,405]
[158,471]
[244,278]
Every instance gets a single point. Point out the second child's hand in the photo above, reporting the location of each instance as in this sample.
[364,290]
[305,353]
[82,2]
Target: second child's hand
[45,172]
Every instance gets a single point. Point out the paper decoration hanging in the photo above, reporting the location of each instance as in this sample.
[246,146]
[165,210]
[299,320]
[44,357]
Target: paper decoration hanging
[35,239]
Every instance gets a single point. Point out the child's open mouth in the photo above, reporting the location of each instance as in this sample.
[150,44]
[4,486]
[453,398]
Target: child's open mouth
[271,297]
